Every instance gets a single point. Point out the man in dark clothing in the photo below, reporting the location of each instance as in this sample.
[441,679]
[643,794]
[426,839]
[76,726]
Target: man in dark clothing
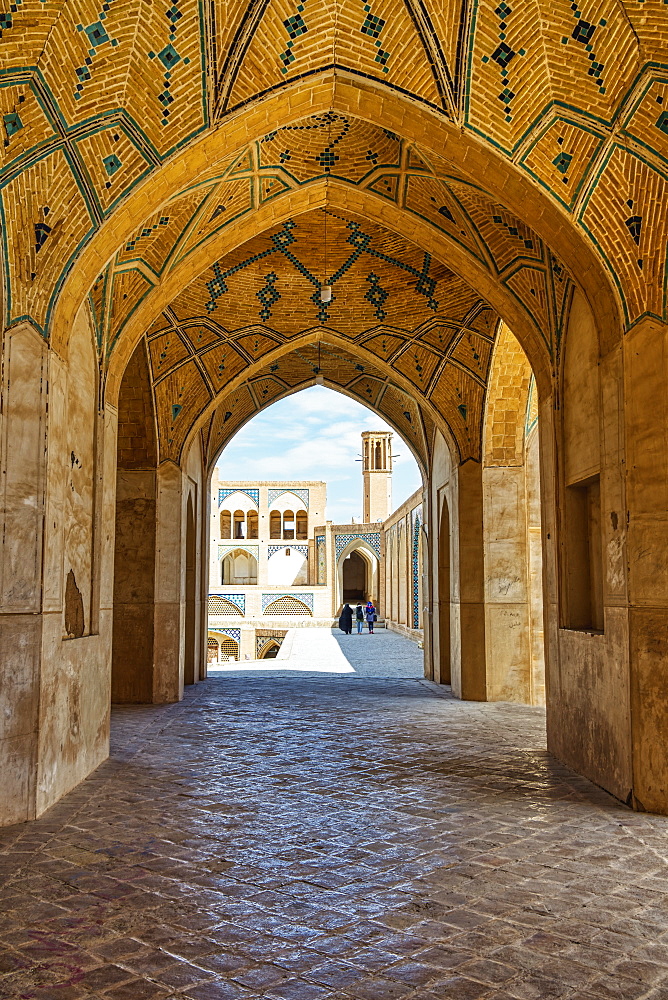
[346,620]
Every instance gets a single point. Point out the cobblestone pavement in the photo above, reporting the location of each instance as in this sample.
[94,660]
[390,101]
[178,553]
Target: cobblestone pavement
[302,838]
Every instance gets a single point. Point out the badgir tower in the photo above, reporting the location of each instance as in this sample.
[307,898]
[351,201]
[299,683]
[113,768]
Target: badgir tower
[454,213]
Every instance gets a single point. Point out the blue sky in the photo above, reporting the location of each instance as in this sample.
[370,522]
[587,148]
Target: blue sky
[315,434]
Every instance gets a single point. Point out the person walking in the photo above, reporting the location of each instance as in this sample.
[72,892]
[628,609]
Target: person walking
[370,615]
[346,620]
[359,618]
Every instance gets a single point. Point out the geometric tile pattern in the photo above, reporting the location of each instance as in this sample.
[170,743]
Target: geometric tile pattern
[341,838]
[273,549]
[263,641]
[287,605]
[219,604]
[274,494]
[223,494]
[322,558]
[107,94]
[372,539]
[232,633]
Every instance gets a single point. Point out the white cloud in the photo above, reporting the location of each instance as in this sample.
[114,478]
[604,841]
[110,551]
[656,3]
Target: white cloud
[315,434]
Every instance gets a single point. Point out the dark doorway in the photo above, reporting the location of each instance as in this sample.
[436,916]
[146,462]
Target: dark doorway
[354,578]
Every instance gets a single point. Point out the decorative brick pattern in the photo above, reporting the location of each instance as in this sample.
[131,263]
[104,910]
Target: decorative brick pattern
[507,402]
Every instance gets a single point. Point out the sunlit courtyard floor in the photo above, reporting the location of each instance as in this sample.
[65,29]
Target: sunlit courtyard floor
[299,835]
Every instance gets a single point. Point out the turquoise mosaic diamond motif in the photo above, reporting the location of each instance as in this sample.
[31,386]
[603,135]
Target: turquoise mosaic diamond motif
[169,57]
[111,164]
[97,35]
[425,285]
[662,123]
[268,295]
[376,295]
[295,25]
[562,162]
[13,123]
[372,26]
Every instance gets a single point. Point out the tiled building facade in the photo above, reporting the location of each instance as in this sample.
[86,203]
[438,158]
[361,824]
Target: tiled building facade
[276,564]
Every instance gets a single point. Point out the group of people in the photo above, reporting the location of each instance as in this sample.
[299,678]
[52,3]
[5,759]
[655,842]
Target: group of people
[362,614]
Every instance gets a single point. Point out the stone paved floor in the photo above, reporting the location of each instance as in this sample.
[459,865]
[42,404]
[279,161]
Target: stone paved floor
[324,650]
[310,837]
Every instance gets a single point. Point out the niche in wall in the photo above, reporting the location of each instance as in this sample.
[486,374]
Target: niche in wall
[583,576]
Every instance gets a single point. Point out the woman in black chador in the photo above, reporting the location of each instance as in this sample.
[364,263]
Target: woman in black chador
[346,620]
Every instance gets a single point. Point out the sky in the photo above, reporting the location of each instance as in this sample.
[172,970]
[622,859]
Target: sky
[315,434]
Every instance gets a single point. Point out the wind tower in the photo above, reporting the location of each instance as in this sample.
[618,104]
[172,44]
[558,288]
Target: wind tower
[377,471]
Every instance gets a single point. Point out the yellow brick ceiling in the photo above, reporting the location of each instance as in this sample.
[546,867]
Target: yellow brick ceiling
[518,145]
[396,312]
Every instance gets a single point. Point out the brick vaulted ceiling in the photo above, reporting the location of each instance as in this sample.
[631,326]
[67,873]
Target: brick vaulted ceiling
[392,304]
[98,99]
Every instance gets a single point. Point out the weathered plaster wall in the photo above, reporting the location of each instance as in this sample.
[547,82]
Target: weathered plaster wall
[587,689]
[79,531]
[22,438]
[646,438]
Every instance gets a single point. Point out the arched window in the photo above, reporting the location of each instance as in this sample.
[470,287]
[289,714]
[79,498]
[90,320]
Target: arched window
[225,524]
[302,524]
[275,524]
[239,524]
[251,524]
[366,455]
[289,524]
[218,605]
[212,649]
[229,649]
[379,456]
[239,569]
[270,650]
